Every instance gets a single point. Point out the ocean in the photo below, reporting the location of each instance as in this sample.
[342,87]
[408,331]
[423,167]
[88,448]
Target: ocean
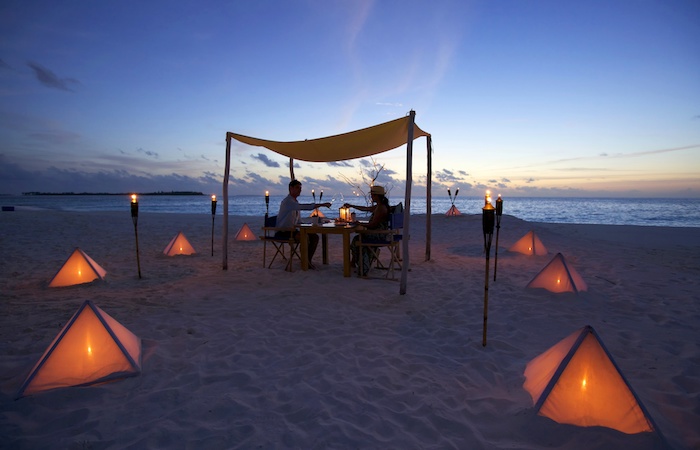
[609,211]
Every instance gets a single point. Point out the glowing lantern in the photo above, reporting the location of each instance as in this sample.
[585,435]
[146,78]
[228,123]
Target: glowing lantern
[577,382]
[529,244]
[79,268]
[345,214]
[91,348]
[558,276]
[179,245]
[245,234]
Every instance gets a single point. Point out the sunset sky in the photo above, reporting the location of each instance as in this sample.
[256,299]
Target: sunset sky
[533,98]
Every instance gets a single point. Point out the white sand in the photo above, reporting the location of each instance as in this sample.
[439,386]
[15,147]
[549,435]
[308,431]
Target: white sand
[262,358]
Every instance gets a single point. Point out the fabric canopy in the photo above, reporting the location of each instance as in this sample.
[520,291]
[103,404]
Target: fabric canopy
[356,144]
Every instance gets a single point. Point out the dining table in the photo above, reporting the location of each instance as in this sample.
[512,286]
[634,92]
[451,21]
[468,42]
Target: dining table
[344,229]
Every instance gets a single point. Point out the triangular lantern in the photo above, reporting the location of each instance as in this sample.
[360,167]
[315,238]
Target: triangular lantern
[91,348]
[317,213]
[79,268]
[529,244]
[558,276]
[577,382]
[179,245]
[245,234]
[453,211]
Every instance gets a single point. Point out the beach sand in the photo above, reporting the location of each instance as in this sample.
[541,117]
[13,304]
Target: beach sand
[262,358]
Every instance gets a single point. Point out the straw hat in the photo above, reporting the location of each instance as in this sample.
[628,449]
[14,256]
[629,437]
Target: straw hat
[378,190]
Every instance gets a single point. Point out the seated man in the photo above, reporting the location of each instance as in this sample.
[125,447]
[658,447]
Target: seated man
[289,216]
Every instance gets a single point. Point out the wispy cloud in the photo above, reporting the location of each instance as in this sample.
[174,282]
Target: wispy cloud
[148,153]
[50,79]
[263,158]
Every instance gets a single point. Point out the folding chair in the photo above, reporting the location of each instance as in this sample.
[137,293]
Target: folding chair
[370,249]
[279,244]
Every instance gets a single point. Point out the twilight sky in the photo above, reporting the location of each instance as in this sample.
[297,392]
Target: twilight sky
[527,98]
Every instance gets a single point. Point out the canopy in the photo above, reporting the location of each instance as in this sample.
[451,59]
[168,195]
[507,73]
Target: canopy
[357,144]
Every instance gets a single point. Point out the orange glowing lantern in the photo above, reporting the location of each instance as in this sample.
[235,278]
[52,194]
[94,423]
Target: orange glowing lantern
[179,245]
[91,348]
[530,244]
[345,214]
[245,234]
[577,382]
[558,276]
[79,268]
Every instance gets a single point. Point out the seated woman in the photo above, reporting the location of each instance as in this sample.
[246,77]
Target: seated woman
[379,220]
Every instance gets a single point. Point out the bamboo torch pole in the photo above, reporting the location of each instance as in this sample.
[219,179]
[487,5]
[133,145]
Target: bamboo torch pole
[487,221]
[499,213]
[213,214]
[135,219]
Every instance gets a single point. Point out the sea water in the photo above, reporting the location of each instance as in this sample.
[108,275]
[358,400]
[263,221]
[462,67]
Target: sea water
[613,211]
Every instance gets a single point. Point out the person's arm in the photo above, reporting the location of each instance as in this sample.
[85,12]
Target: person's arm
[310,206]
[360,208]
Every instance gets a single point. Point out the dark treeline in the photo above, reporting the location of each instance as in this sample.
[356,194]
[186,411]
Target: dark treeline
[112,193]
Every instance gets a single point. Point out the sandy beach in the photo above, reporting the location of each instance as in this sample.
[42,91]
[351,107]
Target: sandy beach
[262,358]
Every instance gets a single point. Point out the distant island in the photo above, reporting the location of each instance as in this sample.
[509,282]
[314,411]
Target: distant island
[112,193]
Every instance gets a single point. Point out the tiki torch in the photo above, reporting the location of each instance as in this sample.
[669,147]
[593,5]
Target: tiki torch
[313,194]
[267,203]
[487,221]
[213,214]
[499,213]
[135,219]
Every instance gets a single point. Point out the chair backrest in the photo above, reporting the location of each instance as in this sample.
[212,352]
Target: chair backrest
[271,221]
[396,221]
[398,208]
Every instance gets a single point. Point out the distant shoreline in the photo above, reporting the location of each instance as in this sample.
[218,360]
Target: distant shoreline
[110,193]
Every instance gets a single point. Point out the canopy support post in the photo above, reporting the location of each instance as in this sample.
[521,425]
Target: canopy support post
[227,169]
[407,209]
[291,169]
[429,197]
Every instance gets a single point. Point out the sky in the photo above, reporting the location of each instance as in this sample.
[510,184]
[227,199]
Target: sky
[525,98]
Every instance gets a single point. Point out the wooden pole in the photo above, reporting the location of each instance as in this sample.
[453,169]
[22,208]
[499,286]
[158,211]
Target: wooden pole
[138,260]
[407,210]
[487,221]
[224,231]
[499,213]
[486,299]
[429,196]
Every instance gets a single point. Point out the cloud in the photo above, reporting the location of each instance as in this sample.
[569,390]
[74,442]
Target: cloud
[148,152]
[50,79]
[340,164]
[4,65]
[266,160]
